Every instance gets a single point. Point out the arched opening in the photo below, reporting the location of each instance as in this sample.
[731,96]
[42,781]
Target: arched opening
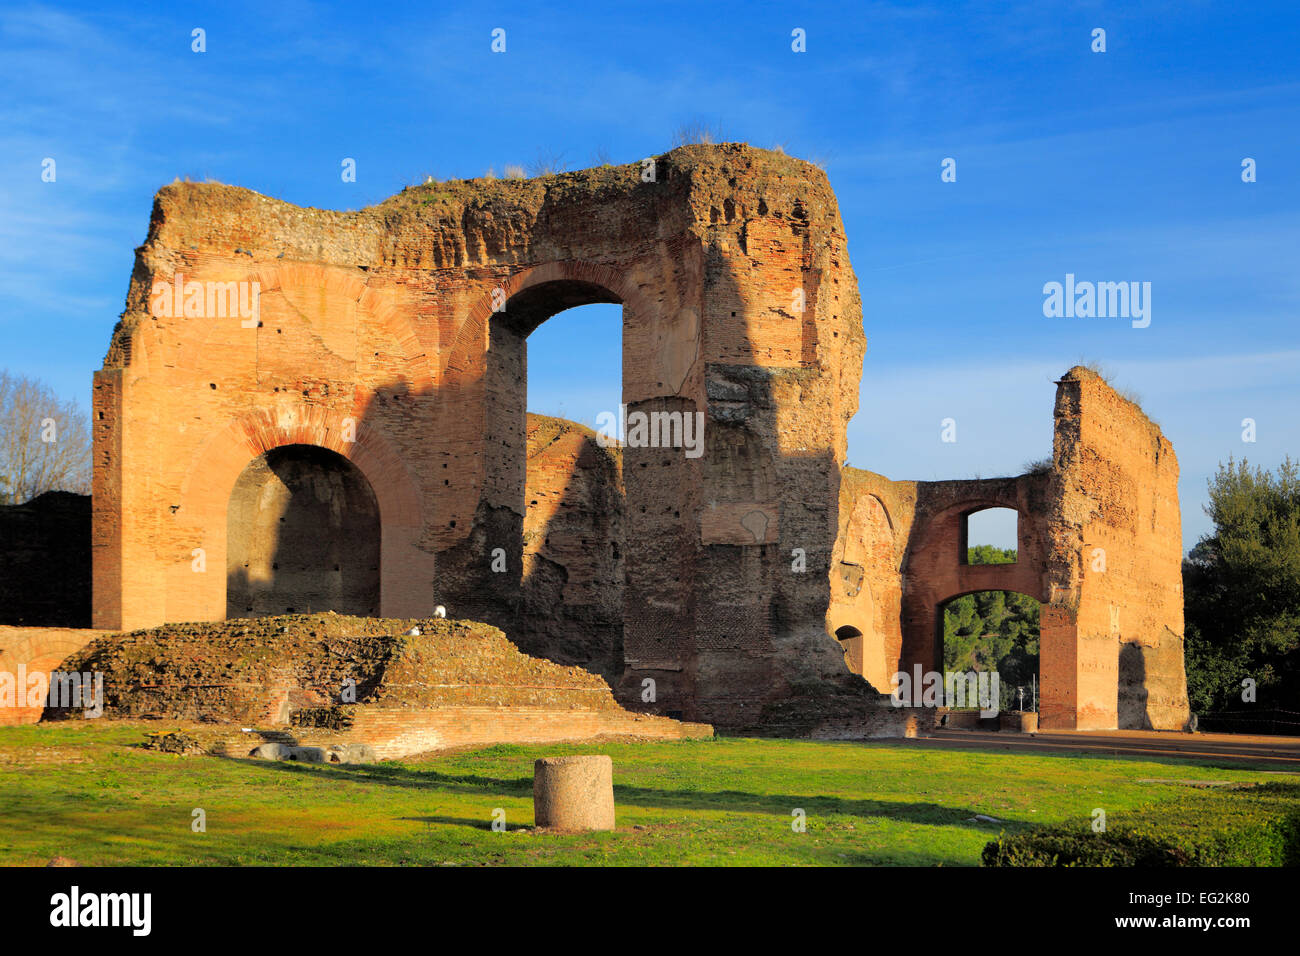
[302,535]
[850,639]
[568,337]
[989,536]
[865,586]
[992,633]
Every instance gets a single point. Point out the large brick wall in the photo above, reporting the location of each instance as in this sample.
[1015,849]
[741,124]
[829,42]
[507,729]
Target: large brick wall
[396,337]
[1117,540]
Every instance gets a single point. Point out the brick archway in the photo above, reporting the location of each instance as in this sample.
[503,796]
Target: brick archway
[935,573]
[302,535]
[459,359]
[941,606]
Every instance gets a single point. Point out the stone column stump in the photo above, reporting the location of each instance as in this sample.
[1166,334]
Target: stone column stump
[574,793]
[1019,721]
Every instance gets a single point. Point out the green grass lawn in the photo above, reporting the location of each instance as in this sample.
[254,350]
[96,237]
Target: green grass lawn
[88,791]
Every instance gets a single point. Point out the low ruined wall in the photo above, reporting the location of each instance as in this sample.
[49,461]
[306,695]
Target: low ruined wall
[27,651]
[394,733]
[455,684]
[397,733]
[264,670]
[850,715]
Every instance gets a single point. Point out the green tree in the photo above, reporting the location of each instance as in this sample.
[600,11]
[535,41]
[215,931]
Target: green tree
[1241,585]
[988,554]
[993,630]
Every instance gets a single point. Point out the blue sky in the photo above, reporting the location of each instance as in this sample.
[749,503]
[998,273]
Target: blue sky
[1115,166]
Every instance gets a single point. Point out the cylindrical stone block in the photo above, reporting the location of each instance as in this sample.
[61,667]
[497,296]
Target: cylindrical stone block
[574,793]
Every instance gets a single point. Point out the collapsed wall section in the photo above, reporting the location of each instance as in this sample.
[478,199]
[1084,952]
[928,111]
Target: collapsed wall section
[573,570]
[1098,545]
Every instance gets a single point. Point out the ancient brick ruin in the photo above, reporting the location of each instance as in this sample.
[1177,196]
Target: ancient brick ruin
[1099,545]
[360,444]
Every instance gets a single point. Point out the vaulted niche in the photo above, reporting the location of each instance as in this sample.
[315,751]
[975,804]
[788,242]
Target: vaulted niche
[302,533]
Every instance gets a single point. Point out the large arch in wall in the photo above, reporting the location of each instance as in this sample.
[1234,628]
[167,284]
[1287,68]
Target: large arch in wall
[406,573]
[942,606]
[480,367]
[303,534]
[935,572]
[863,578]
[658,356]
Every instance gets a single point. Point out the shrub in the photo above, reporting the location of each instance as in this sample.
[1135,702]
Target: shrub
[1259,826]
[696,132]
[547,163]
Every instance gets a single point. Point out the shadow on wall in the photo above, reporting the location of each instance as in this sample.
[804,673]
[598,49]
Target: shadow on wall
[45,561]
[573,569]
[1132,698]
[775,410]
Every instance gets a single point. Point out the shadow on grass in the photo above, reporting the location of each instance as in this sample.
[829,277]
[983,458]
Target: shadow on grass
[1082,751]
[720,801]
[1200,761]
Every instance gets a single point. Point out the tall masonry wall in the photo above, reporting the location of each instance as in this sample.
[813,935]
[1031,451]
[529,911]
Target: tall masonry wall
[1118,553]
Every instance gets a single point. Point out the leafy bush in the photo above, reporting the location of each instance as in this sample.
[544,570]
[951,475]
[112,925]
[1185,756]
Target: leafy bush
[1259,826]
